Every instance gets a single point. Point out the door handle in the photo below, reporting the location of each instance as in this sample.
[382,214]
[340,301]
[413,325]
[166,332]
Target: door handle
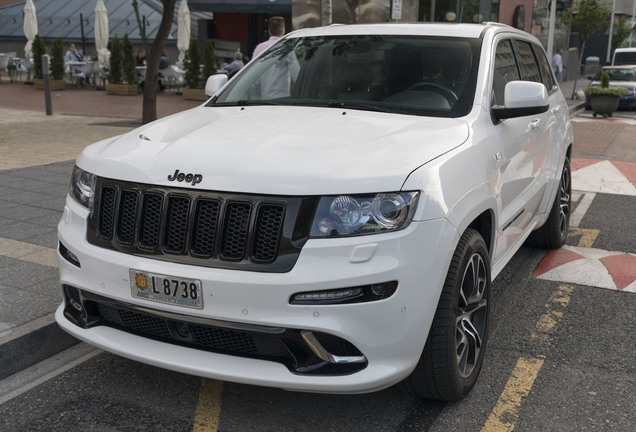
[534,124]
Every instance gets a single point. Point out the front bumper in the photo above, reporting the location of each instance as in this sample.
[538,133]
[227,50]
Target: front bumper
[388,334]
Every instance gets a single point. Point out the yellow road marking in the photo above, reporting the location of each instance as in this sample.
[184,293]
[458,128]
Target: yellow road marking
[506,411]
[517,388]
[588,236]
[208,411]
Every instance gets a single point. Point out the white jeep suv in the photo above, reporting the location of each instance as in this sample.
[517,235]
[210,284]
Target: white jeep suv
[331,219]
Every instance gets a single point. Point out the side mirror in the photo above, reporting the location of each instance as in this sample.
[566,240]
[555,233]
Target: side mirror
[214,84]
[522,98]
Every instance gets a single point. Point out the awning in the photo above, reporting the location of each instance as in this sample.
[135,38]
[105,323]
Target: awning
[242,6]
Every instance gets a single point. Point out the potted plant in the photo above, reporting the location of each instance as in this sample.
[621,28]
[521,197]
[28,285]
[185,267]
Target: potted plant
[57,81]
[38,49]
[604,99]
[120,80]
[193,89]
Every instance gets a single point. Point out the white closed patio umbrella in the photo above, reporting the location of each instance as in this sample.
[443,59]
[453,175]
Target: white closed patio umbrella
[183,34]
[30,27]
[101,34]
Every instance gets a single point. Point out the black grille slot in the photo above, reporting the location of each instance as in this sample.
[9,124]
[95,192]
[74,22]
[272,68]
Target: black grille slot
[151,221]
[107,210]
[205,228]
[204,231]
[127,217]
[237,218]
[269,223]
[176,224]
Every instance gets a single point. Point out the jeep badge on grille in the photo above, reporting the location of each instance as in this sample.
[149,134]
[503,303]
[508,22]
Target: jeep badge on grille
[194,179]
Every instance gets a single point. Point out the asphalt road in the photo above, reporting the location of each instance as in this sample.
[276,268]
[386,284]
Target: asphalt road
[560,357]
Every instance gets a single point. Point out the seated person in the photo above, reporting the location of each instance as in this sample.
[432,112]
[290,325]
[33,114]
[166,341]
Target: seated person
[72,55]
[235,66]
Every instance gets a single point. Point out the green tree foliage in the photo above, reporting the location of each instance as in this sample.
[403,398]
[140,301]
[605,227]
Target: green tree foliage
[38,49]
[191,64]
[209,62]
[587,17]
[116,54]
[129,63]
[57,59]
[622,30]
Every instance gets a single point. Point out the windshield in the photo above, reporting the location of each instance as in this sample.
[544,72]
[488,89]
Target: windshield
[410,75]
[618,74]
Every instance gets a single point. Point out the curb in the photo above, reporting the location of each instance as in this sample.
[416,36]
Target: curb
[31,343]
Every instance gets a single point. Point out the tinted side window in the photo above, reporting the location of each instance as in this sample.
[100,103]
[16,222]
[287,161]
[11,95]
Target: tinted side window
[505,70]
[544,66]
[527,62]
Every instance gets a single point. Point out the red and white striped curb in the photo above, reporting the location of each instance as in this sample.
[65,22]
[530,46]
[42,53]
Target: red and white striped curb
[591,267]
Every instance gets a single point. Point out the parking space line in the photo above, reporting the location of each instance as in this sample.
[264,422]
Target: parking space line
[588,235]
[506,411]
[209,407]
[28,252]
[584,200]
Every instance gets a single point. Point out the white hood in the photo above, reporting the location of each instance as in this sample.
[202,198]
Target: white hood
[277,150]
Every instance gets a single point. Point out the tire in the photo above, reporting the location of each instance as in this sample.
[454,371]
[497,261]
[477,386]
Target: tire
[454,351]
[554,232]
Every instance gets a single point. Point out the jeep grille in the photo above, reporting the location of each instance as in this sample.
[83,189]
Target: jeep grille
[206,228]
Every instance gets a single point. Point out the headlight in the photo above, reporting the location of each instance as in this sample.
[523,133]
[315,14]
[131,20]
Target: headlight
[349,215]
[83,187]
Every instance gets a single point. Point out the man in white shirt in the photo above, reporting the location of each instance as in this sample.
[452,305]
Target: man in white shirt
[275,82]
[557,65]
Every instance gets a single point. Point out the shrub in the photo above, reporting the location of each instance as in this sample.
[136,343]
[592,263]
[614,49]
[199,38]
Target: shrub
[605,89]
[191,65]
[39,49]
[114,76]
[129,63]
[209,62]
[57,59]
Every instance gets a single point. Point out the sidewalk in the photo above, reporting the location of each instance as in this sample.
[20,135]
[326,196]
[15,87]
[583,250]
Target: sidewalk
[36,158]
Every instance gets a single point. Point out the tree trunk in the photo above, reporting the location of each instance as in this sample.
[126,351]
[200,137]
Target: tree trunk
[578,71]
[152,68]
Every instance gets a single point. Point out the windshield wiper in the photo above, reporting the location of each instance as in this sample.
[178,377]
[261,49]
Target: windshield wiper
[245,102]
[366,106]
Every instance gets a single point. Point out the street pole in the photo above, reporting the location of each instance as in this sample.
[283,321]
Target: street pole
[82,32]
[631,35]
[551,28]
[47,87]
[611,31]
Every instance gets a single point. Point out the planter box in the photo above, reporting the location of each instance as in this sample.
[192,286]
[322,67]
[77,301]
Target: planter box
[604,104]
[122,89]
[194,94]
[54,85]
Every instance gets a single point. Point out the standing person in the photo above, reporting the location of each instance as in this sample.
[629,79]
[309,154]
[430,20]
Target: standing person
[557,64]
[276,81]
[276,29]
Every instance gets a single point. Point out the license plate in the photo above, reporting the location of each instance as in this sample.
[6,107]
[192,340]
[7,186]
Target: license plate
[160,288]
